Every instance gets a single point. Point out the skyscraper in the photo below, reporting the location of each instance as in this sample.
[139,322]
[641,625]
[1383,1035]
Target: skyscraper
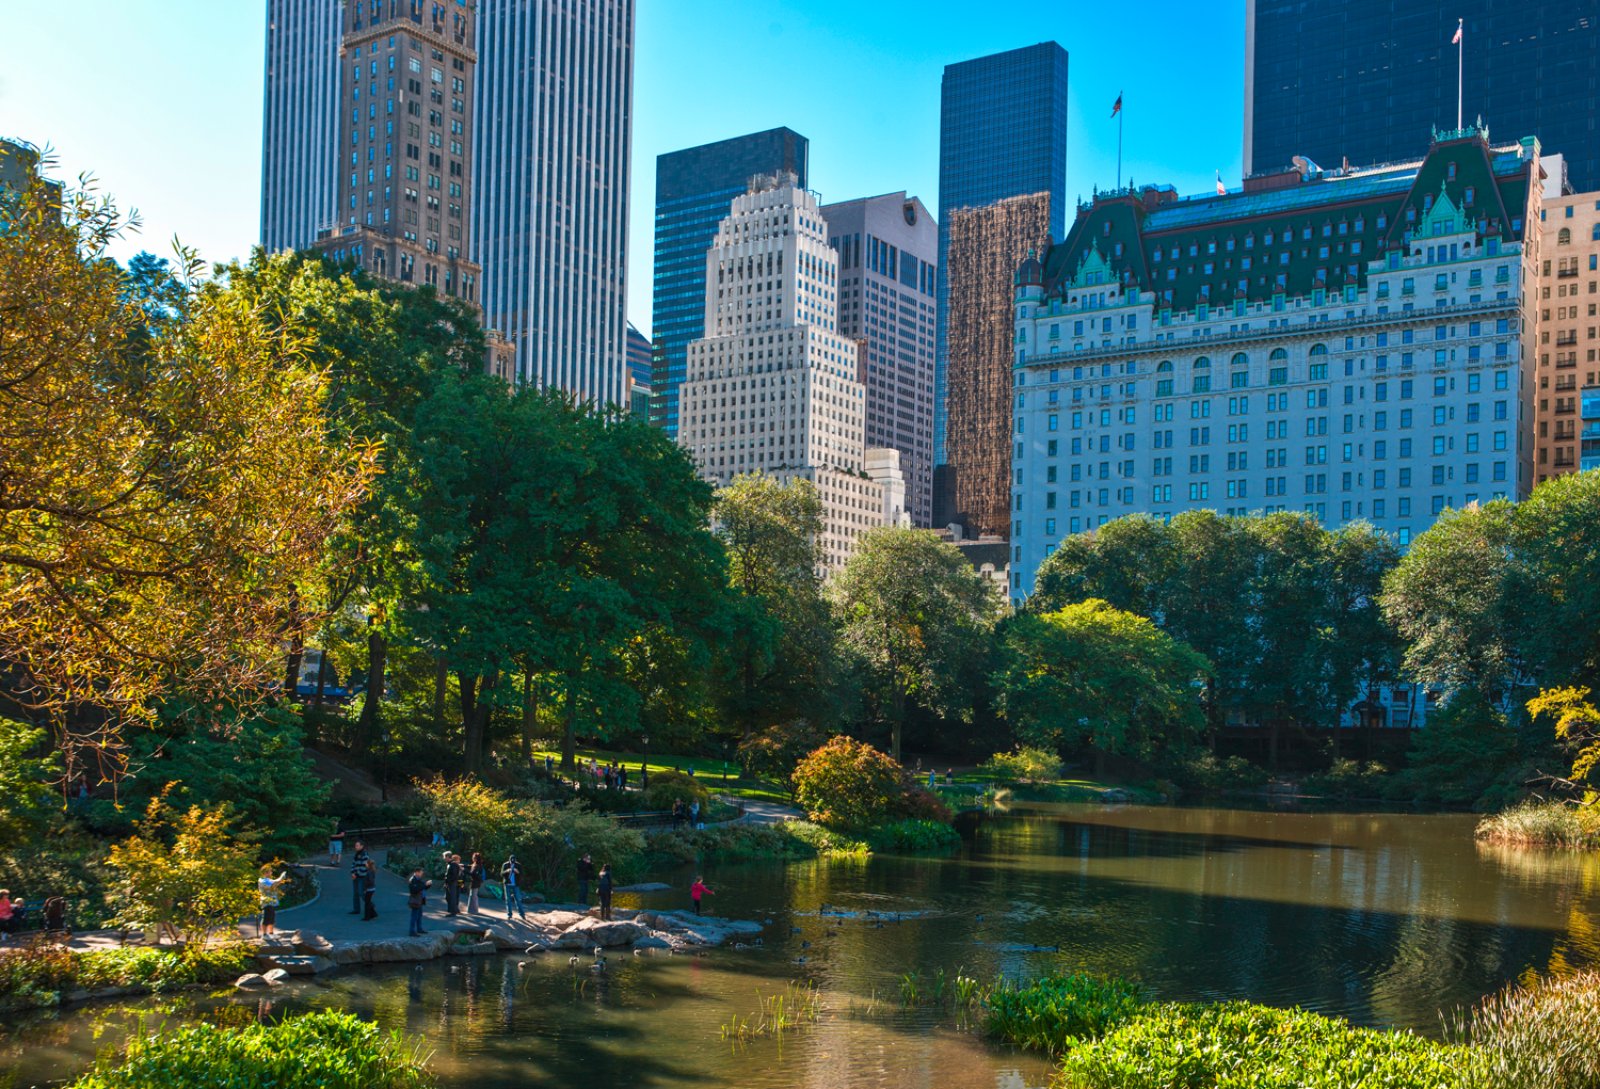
[540,132]
[405,202]
[1002,134]
[300,122]
[550,222]
[1359,79]
[694,188]
[888,248]
[773,386]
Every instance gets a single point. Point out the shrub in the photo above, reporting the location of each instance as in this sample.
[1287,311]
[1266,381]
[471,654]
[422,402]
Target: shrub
[1544,1036]
[470,815]
[36,975]
[1028,764]
[914,835]
[1053,1013]
[775,752]
[729,843]
[922,804]
[1234,1045]
[550,840]
[667,787]
[1207,773]
[330,1050]
[1346,779]
[824,840]
[847,785]
[1544,824]
[1467,748]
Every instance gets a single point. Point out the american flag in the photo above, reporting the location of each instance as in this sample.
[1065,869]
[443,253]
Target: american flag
[1453,41]
[1116,107]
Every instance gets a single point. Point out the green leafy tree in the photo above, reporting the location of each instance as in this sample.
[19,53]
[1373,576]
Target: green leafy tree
[849,786]
[1557,542]
[1451,599]
[1577,727]
[1090,674]
[183,873]
[25,779]
[1128,561]
[1465,750]
[911,609]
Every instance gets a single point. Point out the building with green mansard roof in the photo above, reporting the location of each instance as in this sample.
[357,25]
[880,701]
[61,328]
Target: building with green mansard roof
[1357,345]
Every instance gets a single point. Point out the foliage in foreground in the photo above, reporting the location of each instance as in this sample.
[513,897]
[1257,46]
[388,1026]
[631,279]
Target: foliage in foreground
[1235,1045]
[38,975]
[1056,1012]
[327,1050]
[1546,1036]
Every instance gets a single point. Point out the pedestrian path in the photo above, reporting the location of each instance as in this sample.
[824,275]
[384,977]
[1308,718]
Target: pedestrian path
[757,811]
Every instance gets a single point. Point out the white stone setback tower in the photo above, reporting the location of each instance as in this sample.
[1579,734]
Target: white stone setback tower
[773,387]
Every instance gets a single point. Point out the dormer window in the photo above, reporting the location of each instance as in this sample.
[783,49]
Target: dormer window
[1450,171]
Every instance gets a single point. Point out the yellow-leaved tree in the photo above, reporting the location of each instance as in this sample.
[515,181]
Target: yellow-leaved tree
[1577,725]
[166,476]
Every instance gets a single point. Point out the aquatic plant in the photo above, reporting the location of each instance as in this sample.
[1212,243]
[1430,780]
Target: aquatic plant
[1055,1012]
[914,835]
[1544,824]
[796,1005]
[1545,1035]
[1232,1045]
[330,1050]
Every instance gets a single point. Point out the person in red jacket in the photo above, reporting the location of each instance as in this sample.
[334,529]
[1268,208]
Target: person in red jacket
[697,890]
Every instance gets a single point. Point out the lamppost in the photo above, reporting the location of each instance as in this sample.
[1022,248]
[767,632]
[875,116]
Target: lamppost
[383,769]
[644,769]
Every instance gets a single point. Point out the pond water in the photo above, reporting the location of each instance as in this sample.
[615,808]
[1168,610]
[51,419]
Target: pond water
[1386,919]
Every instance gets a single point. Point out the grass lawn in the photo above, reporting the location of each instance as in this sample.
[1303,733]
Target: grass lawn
[719,776]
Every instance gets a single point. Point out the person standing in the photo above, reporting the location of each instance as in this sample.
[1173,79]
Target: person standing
[358,876]
[7,916]
[336,848]
[369,889]
[697,891]
[585,875]
[477,873]
[694,814]
[511,878]
[603,887]
[454,872]
[267,886]
[416,899]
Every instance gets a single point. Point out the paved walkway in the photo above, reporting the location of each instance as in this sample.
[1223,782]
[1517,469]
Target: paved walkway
[763,812]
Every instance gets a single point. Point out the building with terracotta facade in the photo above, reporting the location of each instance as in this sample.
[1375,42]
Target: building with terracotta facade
[1568,362]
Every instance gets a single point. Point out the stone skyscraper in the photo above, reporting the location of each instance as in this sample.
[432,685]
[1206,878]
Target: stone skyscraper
[773,386]
[888,248]
[300,122]
[526,132]
[1002,134]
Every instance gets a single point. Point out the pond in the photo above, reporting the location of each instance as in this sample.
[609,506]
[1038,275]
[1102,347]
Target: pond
[1386,919]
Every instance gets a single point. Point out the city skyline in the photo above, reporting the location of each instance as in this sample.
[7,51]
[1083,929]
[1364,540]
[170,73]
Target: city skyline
[875,133]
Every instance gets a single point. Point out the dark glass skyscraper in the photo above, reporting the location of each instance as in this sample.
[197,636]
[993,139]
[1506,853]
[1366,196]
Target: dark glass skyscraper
[694,193]
[1365,80]
[1002,134]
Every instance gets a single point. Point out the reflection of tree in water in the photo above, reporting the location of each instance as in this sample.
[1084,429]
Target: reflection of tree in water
[1571,879]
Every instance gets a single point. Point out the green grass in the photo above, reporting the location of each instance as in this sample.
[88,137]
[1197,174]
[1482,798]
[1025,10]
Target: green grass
[709,770]
[1544,824]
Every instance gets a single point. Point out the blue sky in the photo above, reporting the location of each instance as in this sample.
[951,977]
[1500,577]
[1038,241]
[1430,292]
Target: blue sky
[166,111]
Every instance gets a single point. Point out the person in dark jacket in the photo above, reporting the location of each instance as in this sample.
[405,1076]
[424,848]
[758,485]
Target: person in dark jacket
[454,876]
[603,887]
[477,874]
[358,873]
[585,875]
[417,897]
[511,879]
[369,889]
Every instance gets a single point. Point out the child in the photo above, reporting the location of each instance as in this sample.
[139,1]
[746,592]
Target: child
[698,890]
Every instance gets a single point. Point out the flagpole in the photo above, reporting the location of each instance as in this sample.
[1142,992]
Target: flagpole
[1461,46]
[1119,142]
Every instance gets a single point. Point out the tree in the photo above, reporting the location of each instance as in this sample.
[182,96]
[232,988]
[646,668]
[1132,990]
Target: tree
[164,484]
[184,873]
[25,780]
[1128,561]
[1577,726]
[911,609]
[848,785]
[1451,600]
[1557,540]
[1091,674]
[780,634]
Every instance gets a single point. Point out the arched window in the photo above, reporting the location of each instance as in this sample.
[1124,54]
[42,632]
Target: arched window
[1279,355]
[1202,375]
[1564,236]
[1242,360]
[1202,364]
[1164,367]
[1316,350]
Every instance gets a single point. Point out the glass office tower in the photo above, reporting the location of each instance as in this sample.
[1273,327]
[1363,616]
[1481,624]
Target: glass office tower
[1364,80]
[1002,134]
[694,190]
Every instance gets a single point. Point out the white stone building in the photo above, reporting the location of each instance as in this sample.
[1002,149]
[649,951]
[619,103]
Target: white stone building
[773,386]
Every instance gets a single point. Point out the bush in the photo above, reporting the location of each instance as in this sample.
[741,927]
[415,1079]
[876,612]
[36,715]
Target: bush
[849,786]
[1545,1036]
[183,873]
[1026,764]
[1053,1013]
[1206,773]
[667,787]
[1235,1045]
[921,804]
[470,815]
[1544,824]
[775,752]
[36,975]
[1465,750]
[329,1050]
[729,843]
[914,835]
[550,840]
[1348,779]
[825,841]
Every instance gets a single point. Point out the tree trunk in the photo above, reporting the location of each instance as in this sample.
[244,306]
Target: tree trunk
[322,674]
[441,688]
[468,686]
[297,646]
[530,713]
[898,713]
[569,732]
[370,727]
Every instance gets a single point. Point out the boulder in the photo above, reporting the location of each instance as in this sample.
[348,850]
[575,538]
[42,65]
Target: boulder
[588,933]
[474,949]
[646,886]
[652,941]
[276,976]
[250,981]
[691,929]
[296,965]
[311,943]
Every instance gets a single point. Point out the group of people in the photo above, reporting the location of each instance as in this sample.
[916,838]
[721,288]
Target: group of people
[686,814]
[14,915]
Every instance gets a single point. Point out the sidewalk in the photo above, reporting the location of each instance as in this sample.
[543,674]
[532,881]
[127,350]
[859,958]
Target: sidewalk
[763,812]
